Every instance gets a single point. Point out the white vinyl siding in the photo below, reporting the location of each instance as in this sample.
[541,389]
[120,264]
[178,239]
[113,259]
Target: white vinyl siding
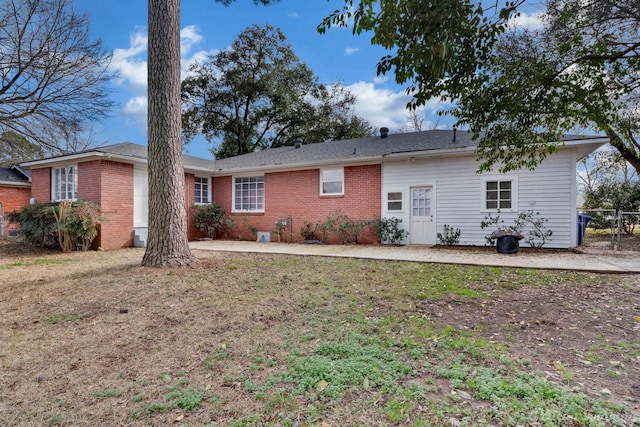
[201,190]
[64,183]
[331,182]
[248,194]
[457,194]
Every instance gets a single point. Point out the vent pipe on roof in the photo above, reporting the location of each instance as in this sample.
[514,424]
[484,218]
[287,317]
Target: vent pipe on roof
[384,132]
[454,135]
[297,143]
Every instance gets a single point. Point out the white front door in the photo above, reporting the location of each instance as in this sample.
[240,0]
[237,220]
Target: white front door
[421,232]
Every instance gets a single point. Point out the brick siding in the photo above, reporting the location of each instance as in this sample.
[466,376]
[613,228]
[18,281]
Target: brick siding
[297,194]
[12,199]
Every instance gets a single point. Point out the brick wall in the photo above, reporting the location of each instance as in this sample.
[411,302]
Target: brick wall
[41,184]
[12,199]
[110,184]
[297,194]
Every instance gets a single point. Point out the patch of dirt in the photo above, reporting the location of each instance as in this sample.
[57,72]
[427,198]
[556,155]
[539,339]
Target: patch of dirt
[577,333]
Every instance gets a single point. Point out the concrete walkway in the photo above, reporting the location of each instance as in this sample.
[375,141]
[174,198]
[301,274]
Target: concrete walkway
[555,260]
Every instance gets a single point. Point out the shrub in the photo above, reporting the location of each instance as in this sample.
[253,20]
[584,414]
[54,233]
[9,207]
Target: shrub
[212,219]
[450,236]
[60,225]
[527,221]
[531,222]
[306,232]
[388,231]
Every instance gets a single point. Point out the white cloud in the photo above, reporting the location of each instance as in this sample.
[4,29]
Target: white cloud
[189,37]
[131,65]
[351,50]
[384,107]
[532,21]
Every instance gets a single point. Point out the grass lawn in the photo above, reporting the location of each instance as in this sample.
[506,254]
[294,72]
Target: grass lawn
[91,339]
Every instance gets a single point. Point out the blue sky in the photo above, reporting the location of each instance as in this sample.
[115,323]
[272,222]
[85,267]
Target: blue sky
[208,27]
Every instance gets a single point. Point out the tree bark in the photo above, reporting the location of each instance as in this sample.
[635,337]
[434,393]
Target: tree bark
[167,245]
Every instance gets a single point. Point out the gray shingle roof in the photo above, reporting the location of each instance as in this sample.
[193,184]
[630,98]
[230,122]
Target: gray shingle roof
[360,149]
[357,150]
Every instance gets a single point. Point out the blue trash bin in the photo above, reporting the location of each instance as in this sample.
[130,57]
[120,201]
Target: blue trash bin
[583,223]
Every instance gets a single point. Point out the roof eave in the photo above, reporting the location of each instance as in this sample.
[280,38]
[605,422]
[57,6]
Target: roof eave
[300,166]
[15,184]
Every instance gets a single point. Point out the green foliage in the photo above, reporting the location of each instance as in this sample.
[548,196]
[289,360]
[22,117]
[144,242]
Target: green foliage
[358,362]
[280,97]
[307,232]
[579,71]
[450,236]
[212,219]
[620,195]
[42,224]
[15,148]
[388,230]
[347,230]
[437,47]
[531,223]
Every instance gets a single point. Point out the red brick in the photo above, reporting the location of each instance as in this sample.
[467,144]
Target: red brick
[297,194]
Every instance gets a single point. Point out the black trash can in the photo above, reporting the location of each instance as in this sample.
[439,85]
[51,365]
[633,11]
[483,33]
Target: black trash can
[507,241]
[507,245]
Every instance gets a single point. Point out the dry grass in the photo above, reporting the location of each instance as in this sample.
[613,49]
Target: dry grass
[94,339]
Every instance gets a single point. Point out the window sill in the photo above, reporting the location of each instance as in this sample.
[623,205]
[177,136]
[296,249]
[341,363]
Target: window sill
[332,196]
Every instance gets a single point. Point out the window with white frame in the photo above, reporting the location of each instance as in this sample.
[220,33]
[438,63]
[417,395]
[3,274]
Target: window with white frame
[248,194]
[64,183]
[331,181]
[394,201]
[201,195]
[500,194]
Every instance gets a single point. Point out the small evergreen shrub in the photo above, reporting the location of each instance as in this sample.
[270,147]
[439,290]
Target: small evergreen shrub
[450,236]
[388,230]
[212,219]
[307,232]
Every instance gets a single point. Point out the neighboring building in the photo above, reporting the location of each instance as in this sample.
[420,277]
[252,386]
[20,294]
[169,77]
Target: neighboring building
[15,192]
[427,179]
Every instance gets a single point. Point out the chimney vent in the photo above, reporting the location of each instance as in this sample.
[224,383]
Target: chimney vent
[384,132]
[454,135]
[297,143]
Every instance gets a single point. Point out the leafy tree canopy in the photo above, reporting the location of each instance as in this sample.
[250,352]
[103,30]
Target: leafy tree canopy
[257,95]
[52,76]
[437,46]
[518,89]
[15,148]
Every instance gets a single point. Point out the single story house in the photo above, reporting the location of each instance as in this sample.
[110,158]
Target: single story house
[15,192]
[426,179]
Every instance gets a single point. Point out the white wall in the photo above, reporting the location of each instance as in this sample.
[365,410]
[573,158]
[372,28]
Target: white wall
[140,196]
[457,194]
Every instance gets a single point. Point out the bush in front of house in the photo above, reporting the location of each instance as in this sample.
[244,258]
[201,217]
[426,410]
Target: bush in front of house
[388,230]
[450,236]
[67,226]
[212,219]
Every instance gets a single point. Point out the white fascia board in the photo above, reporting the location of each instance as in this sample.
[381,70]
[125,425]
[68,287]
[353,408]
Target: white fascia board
[15,184]
[74,158]
[298,166]
[431,153]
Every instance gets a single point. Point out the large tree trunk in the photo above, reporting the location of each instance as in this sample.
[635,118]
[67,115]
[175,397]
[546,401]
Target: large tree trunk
[167,245]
